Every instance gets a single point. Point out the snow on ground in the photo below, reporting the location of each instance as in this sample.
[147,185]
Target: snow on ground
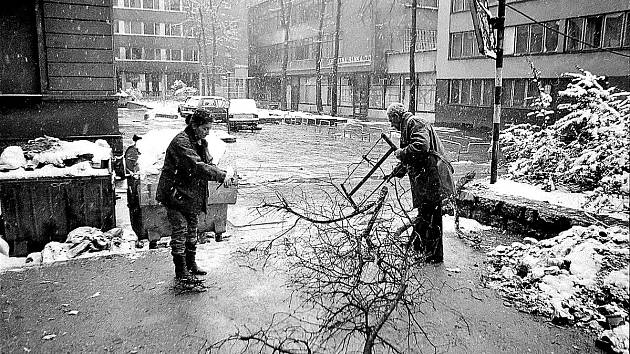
[532,192]
[579,277]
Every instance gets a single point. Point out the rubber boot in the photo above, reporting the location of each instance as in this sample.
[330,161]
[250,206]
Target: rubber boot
[181,270]
[193,268]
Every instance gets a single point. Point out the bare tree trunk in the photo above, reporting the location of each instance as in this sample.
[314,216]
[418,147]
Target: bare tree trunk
[412,54]
[318,58]
[335,69]
[213,62]
[204,62]
[285,55]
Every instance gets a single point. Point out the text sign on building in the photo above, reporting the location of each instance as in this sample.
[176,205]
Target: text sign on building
[353,60]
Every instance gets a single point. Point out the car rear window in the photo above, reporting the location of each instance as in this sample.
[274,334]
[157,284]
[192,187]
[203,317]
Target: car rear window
[192,101]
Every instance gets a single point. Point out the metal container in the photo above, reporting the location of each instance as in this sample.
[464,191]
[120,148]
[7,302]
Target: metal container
[148,217]
[39,210]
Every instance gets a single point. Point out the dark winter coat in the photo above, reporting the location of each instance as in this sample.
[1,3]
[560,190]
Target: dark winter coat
[417,140]
[187,169]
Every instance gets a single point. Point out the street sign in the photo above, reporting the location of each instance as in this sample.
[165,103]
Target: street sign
[481,16]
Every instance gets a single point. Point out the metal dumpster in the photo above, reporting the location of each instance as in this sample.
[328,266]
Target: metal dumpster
[39,210]
[148,217]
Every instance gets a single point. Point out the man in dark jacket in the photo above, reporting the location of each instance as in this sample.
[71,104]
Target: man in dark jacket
[183,190]
[419,146]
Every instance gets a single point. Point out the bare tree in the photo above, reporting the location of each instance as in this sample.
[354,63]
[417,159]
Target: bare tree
[214,16]
[285,14]
[354,274]
[412,54]
[318,57]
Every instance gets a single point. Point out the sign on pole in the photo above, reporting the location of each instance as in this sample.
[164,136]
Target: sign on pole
[481,16]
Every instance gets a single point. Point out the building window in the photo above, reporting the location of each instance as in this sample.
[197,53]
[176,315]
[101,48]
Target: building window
[456,45]
[133,3]
[174,55]
[175,5]
[613,26]
[475,92]
[574,33]
[136,54]
[531,37]
[488,93]
[425,40]
[191,55]
[626,36]
[149,54]
[600,31]
[150,28]
[150,4]
[459,6]
[455,90]
[172,29]
[593,32]
[551,36]
[392,89]
[464,45]
[133,27]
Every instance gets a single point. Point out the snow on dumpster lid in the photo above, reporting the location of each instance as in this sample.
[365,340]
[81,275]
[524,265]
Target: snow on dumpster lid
[154,143]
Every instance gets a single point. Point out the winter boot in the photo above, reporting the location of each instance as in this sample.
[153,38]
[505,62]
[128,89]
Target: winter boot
[181,271]
[193,268]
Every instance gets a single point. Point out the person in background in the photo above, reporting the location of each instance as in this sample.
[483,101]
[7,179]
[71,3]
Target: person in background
[183,190]
[133,196]
[419,152]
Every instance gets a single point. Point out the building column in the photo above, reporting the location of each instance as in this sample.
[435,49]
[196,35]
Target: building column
[164,85]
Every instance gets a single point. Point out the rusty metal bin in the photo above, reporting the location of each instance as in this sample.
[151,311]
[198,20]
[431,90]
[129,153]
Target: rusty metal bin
[148,217]
[44,209]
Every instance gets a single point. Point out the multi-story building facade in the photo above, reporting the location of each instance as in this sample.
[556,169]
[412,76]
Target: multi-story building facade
[155,44]
[373,55]
[555,36]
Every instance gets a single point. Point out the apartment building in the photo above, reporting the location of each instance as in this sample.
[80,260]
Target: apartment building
[555,36]
[373,55]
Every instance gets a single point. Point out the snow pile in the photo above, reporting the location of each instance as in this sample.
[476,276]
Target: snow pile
[579,277]
[586,150]
[153,147]
[51,157]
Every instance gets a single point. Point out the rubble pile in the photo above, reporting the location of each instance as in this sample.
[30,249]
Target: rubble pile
[84,240]
[579,277]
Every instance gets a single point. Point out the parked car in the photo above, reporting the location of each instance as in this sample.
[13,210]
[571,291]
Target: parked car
[243,114]
[215,106]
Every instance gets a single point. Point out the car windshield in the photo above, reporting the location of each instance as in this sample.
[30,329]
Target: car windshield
[213,102]
[193,101]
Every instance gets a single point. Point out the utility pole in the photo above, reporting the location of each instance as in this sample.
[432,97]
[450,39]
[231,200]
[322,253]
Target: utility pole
[412,59]
[499,25]
[335,69]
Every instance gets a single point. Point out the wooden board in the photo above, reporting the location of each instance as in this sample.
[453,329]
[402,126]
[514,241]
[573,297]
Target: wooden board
[55,25]
[80,55]
[73,41]
[81,83]
[81,69]
[77,11]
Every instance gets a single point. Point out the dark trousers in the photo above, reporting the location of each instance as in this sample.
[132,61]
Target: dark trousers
[427,236]
[184,236]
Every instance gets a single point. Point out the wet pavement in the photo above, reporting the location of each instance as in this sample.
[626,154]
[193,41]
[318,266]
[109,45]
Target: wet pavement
[129,305]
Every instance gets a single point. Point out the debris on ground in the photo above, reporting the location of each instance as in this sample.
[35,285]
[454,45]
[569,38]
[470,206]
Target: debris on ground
[84,241]
[578,278]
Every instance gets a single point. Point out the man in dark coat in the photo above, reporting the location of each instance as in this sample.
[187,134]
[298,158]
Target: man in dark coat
[419,147]
[183,190]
